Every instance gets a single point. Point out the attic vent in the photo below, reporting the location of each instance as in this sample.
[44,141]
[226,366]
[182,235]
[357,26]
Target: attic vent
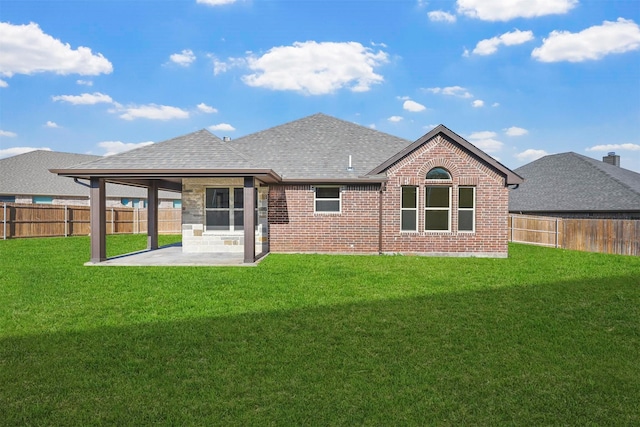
[226,138]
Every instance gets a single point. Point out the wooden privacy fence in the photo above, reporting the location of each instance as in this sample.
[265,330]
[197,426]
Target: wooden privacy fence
[61,220]
[613,236]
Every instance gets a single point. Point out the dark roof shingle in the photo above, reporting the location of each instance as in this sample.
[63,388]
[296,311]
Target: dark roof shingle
[573,182]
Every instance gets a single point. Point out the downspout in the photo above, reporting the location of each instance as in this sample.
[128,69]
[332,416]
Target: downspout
[81,183]
[383,186]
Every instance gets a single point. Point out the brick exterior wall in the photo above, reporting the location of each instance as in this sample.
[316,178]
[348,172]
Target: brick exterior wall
[492,199]
[294,227]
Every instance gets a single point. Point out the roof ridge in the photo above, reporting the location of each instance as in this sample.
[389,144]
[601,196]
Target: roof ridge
[591,162]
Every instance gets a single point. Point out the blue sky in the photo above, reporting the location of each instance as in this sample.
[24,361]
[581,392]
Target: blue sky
[518,78]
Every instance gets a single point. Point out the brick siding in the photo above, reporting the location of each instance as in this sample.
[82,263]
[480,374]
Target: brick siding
[295,227]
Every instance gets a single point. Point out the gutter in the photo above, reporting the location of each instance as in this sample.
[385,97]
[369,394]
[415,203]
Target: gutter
[383,188]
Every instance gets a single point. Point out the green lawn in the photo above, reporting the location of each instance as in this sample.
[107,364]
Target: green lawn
[546,337]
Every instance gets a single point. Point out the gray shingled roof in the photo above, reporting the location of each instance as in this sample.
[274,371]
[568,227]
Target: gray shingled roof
[28,174]
[197,150]
[572,182]
[318,147]
[314,148]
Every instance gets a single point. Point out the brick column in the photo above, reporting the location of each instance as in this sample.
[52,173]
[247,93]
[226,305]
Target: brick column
[249,220]
[98,220]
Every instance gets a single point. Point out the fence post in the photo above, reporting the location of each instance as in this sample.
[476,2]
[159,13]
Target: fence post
[556,232]
[66,221]
[4,221]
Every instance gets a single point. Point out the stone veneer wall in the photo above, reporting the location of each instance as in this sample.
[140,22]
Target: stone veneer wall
[194,236]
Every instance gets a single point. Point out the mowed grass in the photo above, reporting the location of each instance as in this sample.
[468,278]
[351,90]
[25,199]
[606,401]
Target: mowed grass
[545,337]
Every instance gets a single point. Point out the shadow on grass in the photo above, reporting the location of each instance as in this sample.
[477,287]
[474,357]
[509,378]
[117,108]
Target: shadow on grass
[563,353]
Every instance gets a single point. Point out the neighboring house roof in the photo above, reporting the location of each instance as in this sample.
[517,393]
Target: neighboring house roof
[575,183]
[315,149]
[28,174]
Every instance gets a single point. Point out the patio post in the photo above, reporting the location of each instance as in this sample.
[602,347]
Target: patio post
[98,220]
[152,215]
[249,220]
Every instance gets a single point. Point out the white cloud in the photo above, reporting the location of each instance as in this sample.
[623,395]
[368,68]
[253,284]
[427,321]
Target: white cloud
[115,147]
[485,141]
[7,134]
[395,119]
[612,147]
[495,104]
[14,151]
[590,44]
[220,66]
[223,127]
[477,103]
[26,49]
[504,10]
[483,135]
[215,2]
[530,155]
[152,112]
[372,126]
[314,68]
[51,124]
[184,58]
[441,16]
[84,99]
[3,83]
[456,91]
[413,106]
[489,46]
[206,109]
[515,131]
[84,82]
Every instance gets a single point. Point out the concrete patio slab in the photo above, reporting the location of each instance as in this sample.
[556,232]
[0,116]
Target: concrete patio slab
[172,256]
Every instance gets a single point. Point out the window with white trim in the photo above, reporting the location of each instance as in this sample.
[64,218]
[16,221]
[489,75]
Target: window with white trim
[409,209]
[224,209]
[437,208]
[466,209]
[327,200]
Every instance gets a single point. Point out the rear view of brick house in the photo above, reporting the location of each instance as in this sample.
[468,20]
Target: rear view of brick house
[324,185]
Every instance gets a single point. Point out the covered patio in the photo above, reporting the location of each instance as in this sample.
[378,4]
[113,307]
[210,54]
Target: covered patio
[172,256]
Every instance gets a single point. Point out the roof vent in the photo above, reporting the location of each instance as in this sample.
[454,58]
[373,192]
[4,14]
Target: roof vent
[612,159]
[226,138]
[350,168]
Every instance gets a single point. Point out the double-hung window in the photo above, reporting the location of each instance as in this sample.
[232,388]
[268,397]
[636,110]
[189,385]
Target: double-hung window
[466,209]
[224,209]
[409,209]
[437,208]
[327,200]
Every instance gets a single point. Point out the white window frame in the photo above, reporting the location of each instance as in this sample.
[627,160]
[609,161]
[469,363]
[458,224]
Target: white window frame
[472,209]
[447,209]
[403,209]
[325,199]
[230,210]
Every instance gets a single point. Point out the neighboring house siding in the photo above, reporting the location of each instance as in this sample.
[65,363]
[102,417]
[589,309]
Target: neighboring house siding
[490,236]
[584,215]
[112,202]
[295,226]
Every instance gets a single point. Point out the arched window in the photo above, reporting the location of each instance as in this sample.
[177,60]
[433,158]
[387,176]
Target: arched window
[439,173]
